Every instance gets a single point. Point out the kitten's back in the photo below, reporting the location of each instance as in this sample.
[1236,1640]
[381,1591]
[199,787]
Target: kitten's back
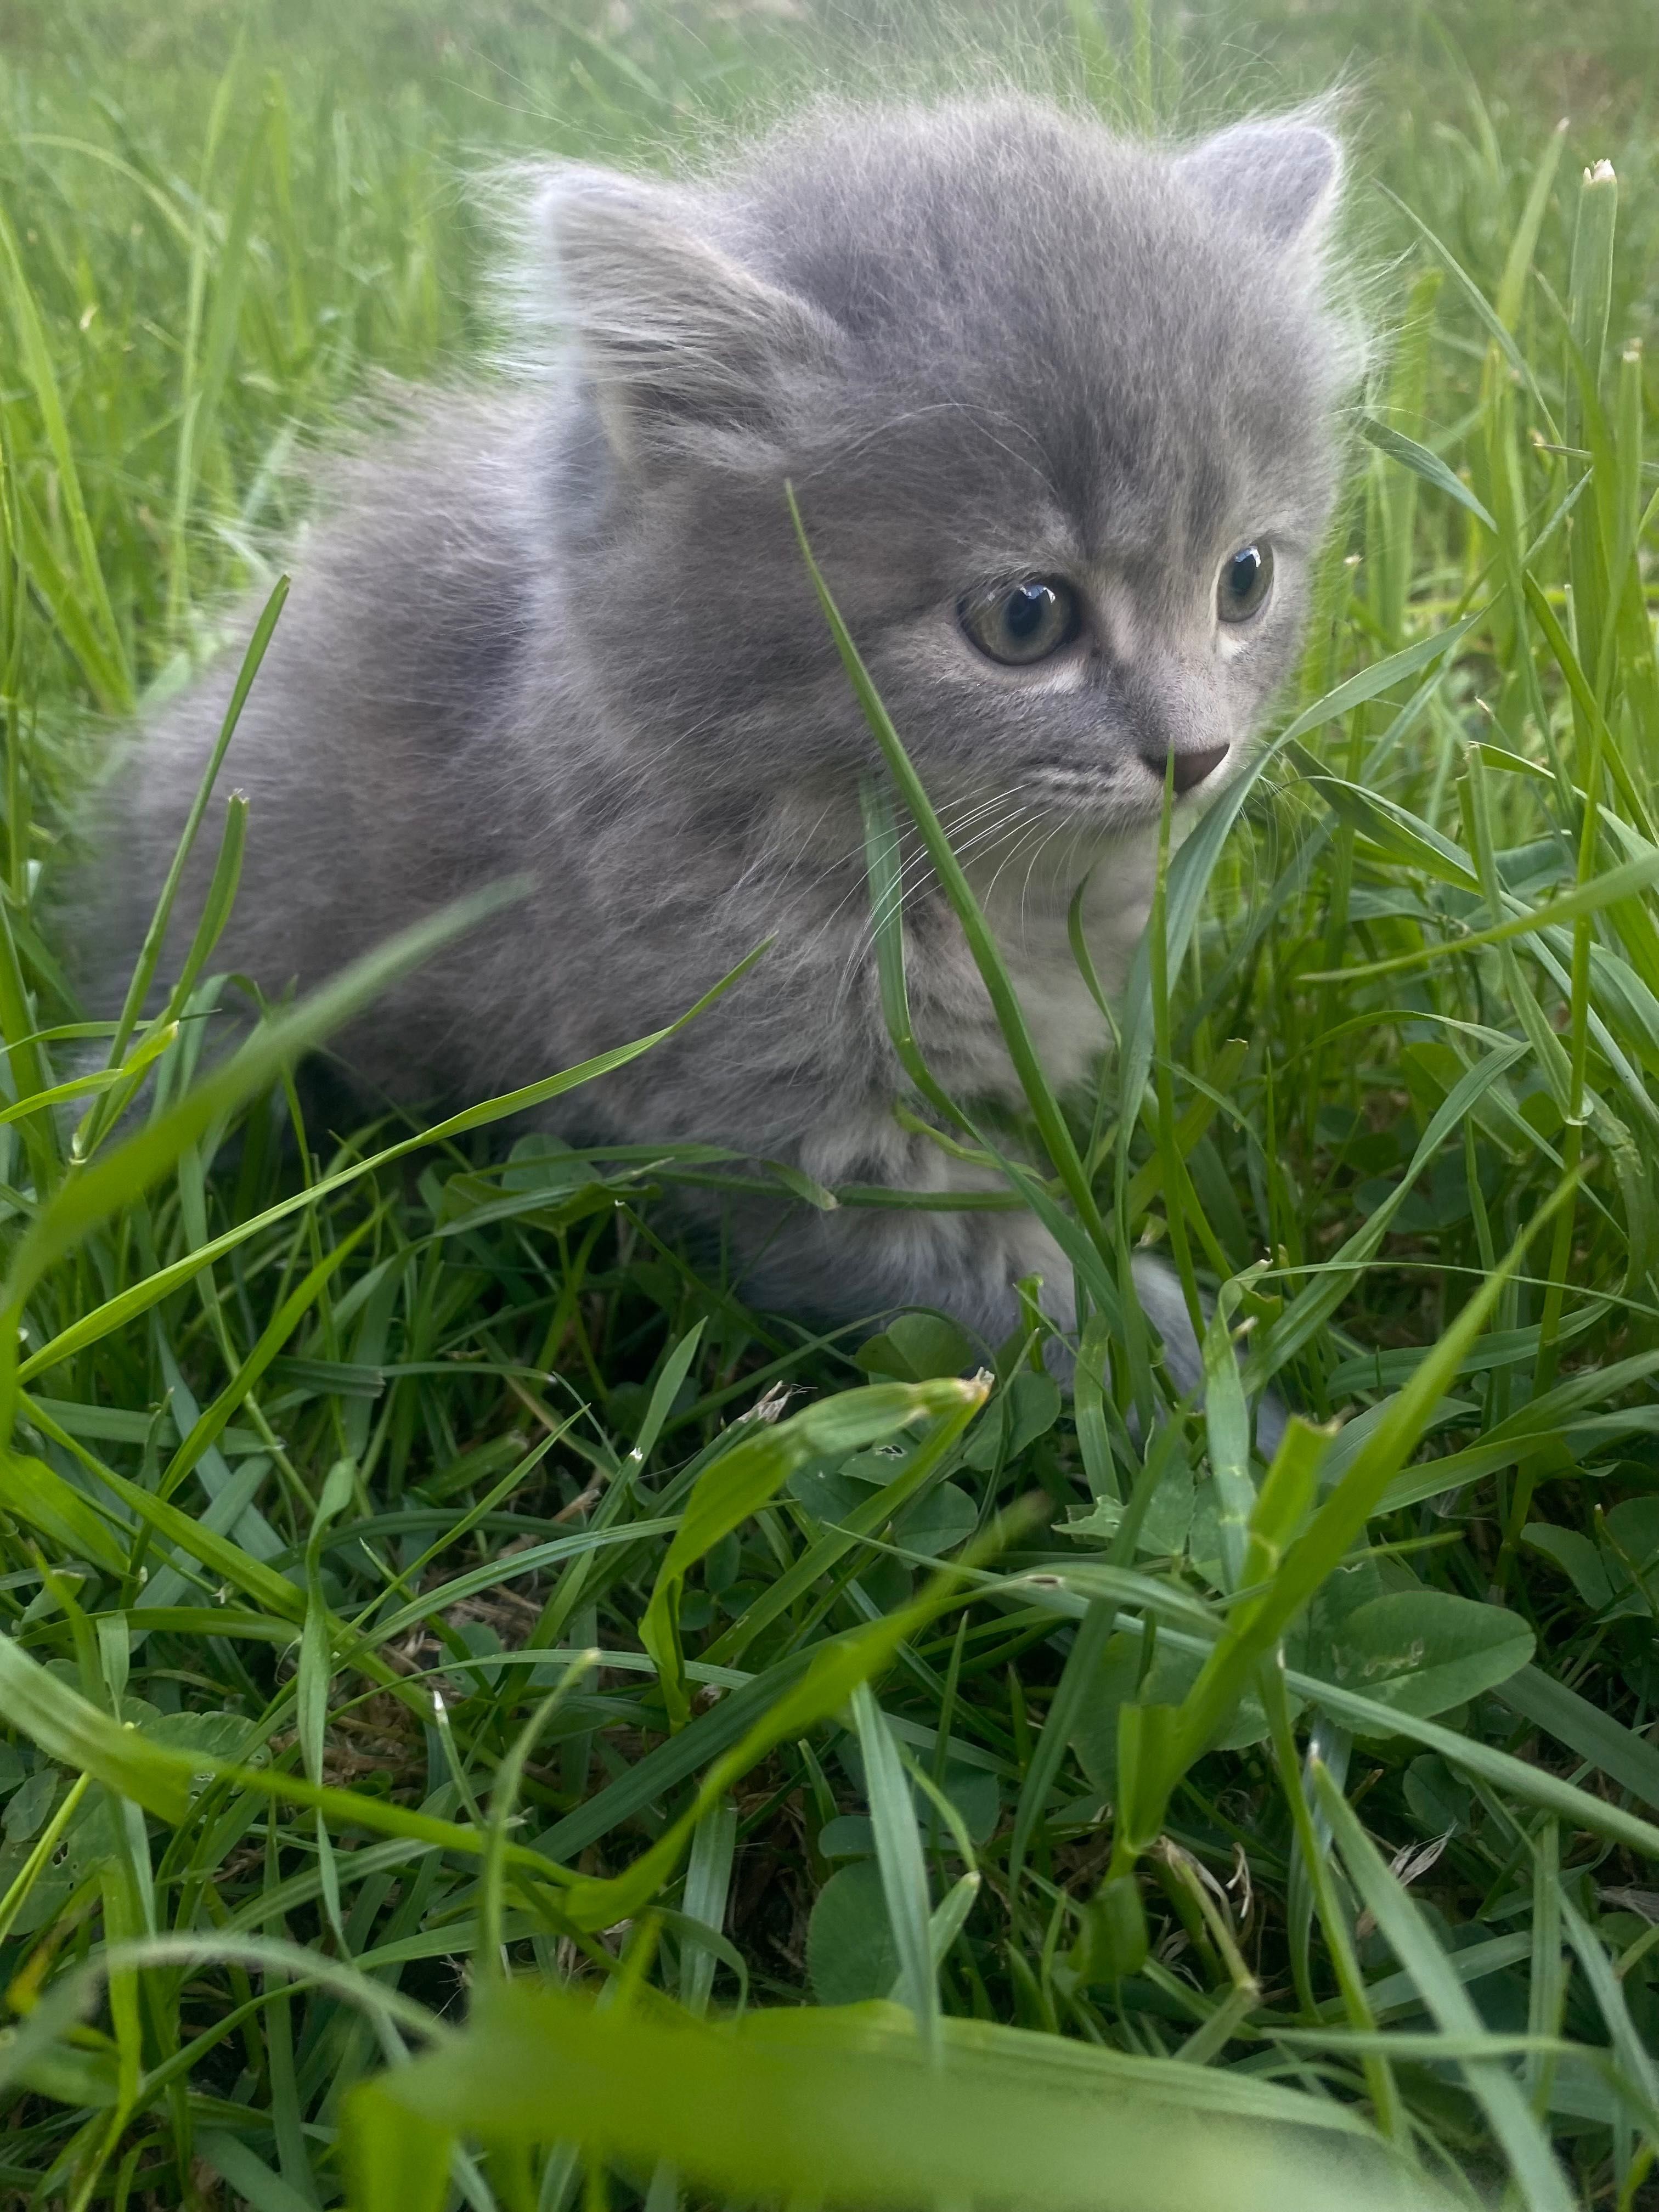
[374,748]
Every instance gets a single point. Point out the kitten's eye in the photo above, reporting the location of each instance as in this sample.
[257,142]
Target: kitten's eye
[1025,623]
[1247,577]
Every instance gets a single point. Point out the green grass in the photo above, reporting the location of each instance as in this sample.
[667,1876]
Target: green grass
[325,1487]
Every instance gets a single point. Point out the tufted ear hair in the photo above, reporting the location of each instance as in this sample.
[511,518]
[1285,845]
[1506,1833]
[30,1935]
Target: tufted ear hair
[1280,177]
[685,345]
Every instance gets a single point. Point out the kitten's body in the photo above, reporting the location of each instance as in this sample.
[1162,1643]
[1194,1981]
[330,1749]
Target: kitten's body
[566,633]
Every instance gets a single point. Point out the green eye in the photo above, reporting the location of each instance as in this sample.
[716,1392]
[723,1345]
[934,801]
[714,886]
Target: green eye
[1023,623]
[1247,577]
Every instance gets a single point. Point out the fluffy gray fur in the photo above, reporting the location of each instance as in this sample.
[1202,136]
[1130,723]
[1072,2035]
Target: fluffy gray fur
[565,630]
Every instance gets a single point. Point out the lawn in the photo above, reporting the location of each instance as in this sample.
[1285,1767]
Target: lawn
[486,1718]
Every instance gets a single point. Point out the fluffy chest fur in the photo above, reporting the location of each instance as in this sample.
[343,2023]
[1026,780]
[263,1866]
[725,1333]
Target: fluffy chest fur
[1028,908]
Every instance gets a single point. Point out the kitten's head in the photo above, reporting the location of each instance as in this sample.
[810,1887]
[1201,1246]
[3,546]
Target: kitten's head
[1058,410]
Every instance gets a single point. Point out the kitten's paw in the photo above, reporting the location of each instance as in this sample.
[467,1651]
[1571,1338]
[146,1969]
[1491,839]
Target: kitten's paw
[1164,1305]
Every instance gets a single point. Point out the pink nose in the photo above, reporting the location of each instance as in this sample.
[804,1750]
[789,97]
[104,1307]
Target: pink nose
[1190,769]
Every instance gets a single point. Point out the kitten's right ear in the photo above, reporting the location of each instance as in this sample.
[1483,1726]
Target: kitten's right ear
[685,345]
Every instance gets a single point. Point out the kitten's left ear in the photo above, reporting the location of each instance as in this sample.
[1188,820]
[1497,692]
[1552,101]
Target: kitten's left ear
[1279,178]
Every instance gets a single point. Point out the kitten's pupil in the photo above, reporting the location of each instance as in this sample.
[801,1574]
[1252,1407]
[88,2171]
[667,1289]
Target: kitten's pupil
[1027,606]
[1245,579]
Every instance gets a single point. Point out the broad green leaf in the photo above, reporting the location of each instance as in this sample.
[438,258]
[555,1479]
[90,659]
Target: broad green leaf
[397,2160]
[843,2106]
[1577,1557]
[1572,1721]
[75,1734]
[937,1523]
[1420,1651]
[916,1348]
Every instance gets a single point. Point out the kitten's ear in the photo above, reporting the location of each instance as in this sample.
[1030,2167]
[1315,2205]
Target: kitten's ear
[683,343]
[1279,178]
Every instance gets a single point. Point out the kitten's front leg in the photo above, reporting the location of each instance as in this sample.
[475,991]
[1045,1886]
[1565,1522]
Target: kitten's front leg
[863,1261]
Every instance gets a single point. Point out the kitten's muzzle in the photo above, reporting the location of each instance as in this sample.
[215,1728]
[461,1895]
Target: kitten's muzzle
[1191,768]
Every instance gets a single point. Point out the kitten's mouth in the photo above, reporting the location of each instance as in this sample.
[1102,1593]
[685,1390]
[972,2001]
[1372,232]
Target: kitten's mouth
[1126,800]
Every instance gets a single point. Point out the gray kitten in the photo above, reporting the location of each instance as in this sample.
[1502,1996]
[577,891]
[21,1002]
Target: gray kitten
[1057,409]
